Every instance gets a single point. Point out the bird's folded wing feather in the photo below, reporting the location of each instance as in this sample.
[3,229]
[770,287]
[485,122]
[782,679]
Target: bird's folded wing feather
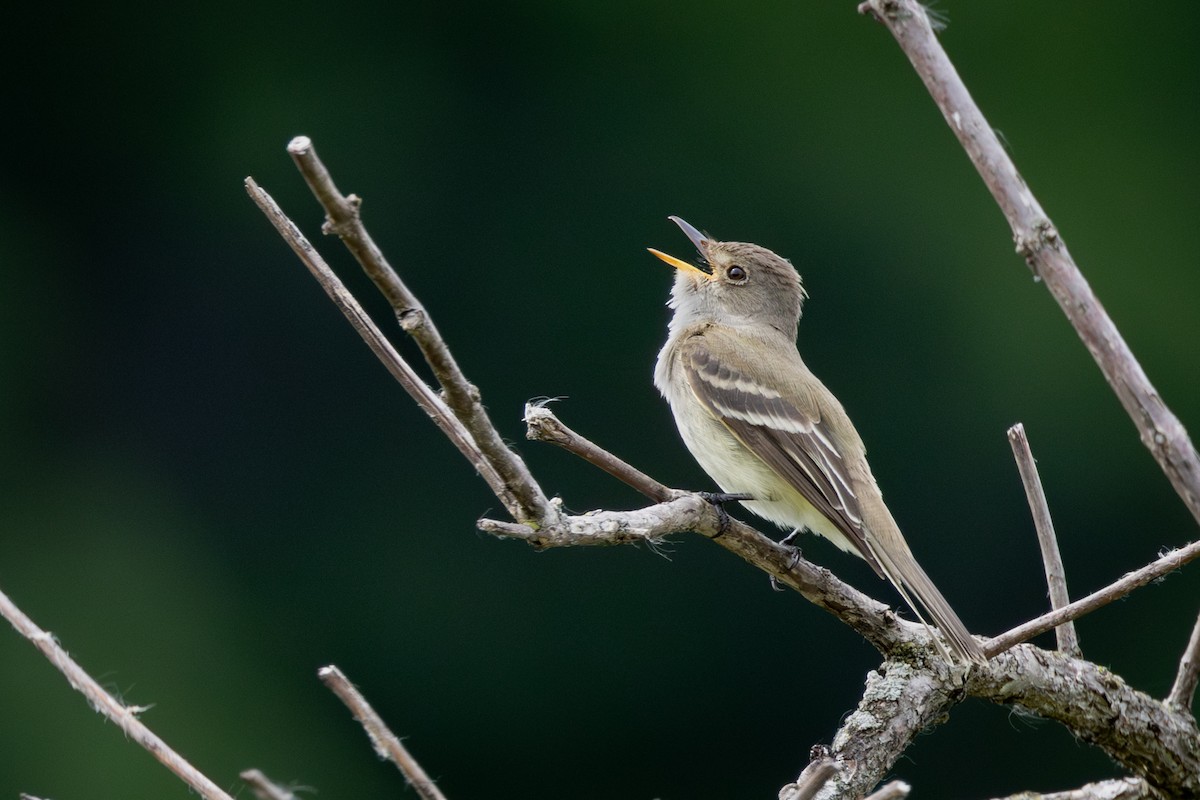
[783,426]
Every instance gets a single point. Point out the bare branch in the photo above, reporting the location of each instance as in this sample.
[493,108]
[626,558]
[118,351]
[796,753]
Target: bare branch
[1039,243]
[543,426]
[646,525]
[104,703]
[1144,735]
[810,781]
[1056,577]
[425,397]
[896,790]
[343,218]
[1115,591]
[1184,688]
[386,743]
[1115,789]
[690,513]
[264,788]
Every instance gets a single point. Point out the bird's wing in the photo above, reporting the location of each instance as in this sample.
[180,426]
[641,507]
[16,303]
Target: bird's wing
[783,426]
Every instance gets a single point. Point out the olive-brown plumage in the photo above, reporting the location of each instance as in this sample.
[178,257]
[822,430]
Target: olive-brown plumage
[759,422]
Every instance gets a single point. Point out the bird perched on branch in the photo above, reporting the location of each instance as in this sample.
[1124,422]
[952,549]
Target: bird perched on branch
[760,423]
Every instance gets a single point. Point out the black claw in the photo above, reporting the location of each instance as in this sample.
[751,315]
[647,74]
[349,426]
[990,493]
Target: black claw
[787,542]
[718,500]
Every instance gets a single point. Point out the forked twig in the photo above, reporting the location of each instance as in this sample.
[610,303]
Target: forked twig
[104,703]
[386,743]
[343,219]
[1056,578]
[425,397]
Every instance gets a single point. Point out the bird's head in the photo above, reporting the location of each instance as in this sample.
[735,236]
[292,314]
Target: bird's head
[737,284]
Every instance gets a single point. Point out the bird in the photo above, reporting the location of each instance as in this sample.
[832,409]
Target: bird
[762,425]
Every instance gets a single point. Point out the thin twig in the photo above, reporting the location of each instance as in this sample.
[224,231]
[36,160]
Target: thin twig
[896,790]
[425,397]
[543,426]
[386,743]
[343,218]
[264,788]
[1102,597]
[124,716]
[1043,249]
[1184,688]
[1056,577]
[810,781]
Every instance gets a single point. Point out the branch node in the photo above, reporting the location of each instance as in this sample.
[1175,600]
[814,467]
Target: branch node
[411,319]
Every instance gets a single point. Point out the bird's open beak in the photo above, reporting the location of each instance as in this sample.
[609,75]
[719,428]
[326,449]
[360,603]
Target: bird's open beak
[698,239]
[683,266]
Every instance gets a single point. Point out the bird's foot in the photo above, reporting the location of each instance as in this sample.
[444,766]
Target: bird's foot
[718,500]
[793,561]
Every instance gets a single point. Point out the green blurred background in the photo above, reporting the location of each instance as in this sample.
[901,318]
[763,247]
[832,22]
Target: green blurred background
[211,488]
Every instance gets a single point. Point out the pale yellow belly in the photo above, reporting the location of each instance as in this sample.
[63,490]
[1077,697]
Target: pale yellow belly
[736,470]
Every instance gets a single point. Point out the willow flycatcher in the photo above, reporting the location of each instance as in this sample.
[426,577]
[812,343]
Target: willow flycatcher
[761,424]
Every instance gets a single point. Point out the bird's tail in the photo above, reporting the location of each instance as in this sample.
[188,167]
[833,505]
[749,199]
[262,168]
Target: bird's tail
[903,571]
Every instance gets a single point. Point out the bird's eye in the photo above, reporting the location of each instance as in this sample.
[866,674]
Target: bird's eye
[736,274]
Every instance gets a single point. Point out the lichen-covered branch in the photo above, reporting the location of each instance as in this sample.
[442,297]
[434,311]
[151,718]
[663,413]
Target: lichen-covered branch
[901,700]
[1146,736]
